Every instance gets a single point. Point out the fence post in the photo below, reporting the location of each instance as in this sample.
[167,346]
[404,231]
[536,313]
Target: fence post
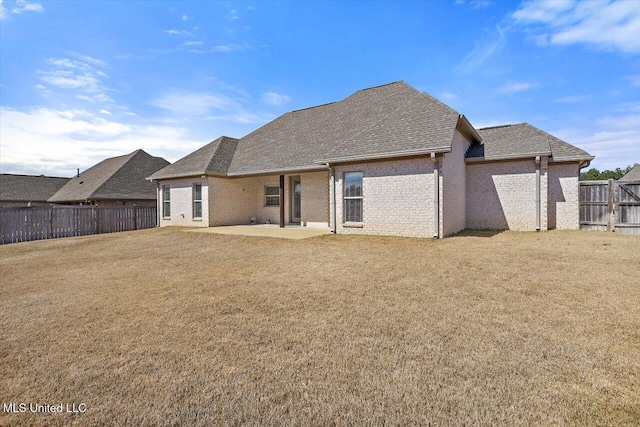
[51,221]
[611,221]
[135,217]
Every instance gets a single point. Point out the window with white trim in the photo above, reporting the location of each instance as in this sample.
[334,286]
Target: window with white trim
[197,201]
[271,195]
[166,201]
[353,197]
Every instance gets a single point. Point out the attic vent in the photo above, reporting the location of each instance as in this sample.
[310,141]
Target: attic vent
[81,182]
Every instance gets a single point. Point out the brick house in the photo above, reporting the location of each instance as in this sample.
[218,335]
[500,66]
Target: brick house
[116,181]
[387,160]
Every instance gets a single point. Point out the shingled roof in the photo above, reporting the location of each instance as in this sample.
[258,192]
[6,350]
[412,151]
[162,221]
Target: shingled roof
[383,121]
[117,178]
[212,159]
[632,175]
[376,122]
[29,188]
[523,140]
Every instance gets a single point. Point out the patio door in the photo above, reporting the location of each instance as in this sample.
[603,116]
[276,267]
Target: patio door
[295,199]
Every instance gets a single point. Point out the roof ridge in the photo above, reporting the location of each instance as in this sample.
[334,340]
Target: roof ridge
[500,126]
[315,106]
[220,140]
[34,176]
[130,155]
[375,87]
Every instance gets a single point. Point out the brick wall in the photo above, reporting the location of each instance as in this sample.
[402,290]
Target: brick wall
[315,199]
[502,195]
[397,197]
[454,194]
[182,203]
[234,201]
[563,199]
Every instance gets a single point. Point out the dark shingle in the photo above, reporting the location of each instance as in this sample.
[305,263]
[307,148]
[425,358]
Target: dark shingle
[632,175]
[523,140]
[375,121]
[29,188]
[213,158]
[117,178]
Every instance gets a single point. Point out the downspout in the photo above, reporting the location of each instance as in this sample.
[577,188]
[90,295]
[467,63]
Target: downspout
[158,204]
[538,213]
[332,189]
[436,197]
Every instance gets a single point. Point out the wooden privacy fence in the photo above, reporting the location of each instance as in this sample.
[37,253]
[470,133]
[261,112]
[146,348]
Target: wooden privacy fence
[51,222]
[610,206]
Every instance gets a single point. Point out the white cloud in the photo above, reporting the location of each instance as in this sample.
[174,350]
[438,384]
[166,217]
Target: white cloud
[476,4]
[20,7]
[572,99]
[221,48]
[483,50]
[612,139]
[185,18]
[514,87]
[448,96]
[192,43]
[634,80]
[194,104]
[55,142]
[275,99]
[82,76]
[26,6]
[606,25]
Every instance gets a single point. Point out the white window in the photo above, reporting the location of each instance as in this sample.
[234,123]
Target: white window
[197,200]
[353,197]
[166,201]
[271,195]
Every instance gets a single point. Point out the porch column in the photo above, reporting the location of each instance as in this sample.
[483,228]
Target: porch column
[281,201]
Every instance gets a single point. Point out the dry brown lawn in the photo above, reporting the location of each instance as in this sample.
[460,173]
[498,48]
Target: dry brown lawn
[166,327]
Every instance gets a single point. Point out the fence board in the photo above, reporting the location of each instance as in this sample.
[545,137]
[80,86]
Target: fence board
[610,206]
[52,222]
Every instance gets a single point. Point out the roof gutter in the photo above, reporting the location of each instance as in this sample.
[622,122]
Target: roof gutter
[384,156]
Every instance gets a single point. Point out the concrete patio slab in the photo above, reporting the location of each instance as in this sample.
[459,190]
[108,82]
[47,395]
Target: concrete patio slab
[265,230]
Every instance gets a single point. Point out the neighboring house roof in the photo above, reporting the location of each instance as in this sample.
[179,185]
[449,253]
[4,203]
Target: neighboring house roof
[523,140]
[384,121]
[632,175]
[212,159]
[29,188]
[117,178]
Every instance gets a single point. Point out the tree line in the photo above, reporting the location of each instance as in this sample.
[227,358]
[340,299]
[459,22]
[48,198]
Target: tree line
[594,174]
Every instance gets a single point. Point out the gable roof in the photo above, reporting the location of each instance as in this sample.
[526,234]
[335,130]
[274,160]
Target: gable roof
[116,178]
[29,188]
[382,121]
[375,122]
[523,140]
[632,175]
[212,159]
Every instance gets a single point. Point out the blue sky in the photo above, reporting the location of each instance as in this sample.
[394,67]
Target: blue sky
[84,80]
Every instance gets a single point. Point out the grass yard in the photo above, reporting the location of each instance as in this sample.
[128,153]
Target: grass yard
[166,327]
